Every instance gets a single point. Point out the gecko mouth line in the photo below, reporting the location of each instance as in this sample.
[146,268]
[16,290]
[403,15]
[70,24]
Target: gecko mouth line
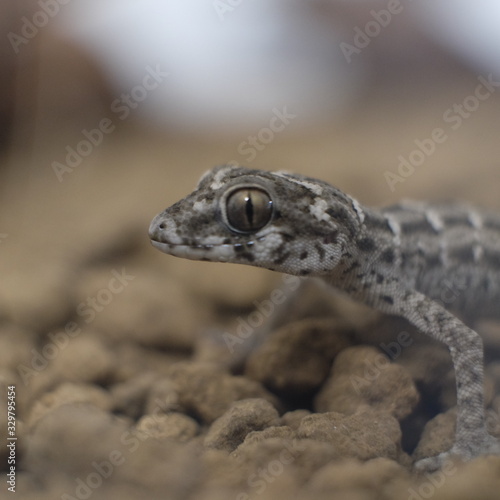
[216,252]
[164,244]
[201,246]
[221,252]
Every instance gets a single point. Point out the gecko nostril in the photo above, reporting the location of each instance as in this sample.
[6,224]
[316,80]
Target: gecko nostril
[163,225]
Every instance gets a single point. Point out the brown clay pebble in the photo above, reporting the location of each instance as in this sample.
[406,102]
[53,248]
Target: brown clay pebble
[147,309]
[129,397]
[69,427]
[168,425]
[86,358]
[163,396]
[229,430]
[437,437]
[206,391]
[297,357]
[37,294]
[364,435]
[268,454]
[351,476]
[294,418]
[68,393]
[363,377]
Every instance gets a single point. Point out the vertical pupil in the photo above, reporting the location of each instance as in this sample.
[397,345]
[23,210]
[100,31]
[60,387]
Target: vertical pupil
[249,208]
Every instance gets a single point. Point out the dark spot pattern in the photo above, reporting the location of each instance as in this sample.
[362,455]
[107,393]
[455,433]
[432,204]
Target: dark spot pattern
[349,269]
[433,260]
[456,220]
[331,238]
[388,256]
[486,284]
[417,226]
[463,254]
[366,244]
[492,259]
[491,223]
[279,260]
[320,250]
[341,215]
[398,208]
[303,255]
[376,222]
[247,256]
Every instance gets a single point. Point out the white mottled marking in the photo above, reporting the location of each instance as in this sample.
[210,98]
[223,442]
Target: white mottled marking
[358,210]
[477,223]
[395,228]
[315,188]
[434,220]
[217,181]
[477,252]
[319,210]
[475,219]
[200,206]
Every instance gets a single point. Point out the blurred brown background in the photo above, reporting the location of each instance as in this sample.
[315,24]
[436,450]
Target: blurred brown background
[352,120]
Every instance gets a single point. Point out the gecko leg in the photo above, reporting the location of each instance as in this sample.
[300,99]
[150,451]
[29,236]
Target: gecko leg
[466,348]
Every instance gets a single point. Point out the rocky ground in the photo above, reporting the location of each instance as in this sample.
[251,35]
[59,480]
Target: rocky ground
[130,398]
[128,365]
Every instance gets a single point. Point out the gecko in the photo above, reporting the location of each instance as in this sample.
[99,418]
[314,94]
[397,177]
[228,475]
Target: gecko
[393,259]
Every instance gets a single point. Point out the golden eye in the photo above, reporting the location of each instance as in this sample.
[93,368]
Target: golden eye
[248,209]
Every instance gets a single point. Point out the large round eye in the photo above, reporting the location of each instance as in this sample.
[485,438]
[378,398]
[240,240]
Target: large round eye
[248,209]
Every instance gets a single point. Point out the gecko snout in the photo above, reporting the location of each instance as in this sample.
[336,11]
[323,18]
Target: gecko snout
[157,226]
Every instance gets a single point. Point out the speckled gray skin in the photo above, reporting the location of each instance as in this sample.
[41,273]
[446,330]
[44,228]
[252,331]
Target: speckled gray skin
[399,260]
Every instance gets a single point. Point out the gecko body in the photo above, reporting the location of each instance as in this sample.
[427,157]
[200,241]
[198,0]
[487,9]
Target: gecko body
[400,260]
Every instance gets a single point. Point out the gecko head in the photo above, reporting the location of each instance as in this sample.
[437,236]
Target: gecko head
[276,220]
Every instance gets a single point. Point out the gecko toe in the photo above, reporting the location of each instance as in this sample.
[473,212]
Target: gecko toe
[432,464]
[488,446]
